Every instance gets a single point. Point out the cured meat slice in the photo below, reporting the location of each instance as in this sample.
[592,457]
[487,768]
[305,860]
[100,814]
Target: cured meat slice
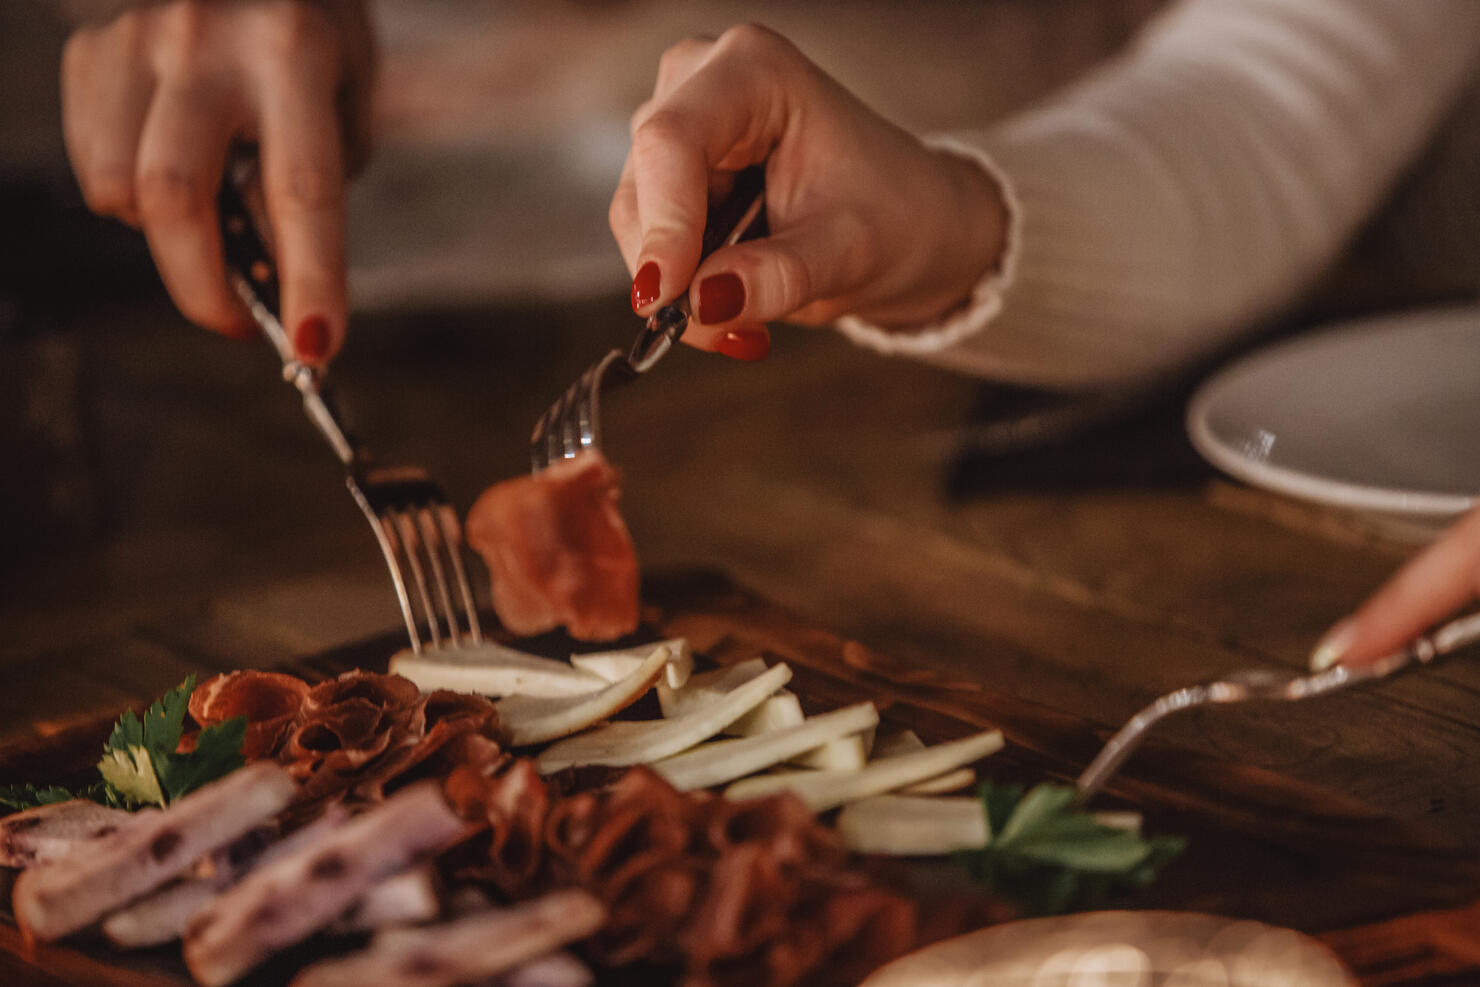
[288,900]
[48,833]
[464,950]
[270,701]
[558,551]
[60,898]
[162,916]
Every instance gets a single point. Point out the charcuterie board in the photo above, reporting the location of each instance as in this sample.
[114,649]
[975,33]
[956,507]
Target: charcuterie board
[1261,845]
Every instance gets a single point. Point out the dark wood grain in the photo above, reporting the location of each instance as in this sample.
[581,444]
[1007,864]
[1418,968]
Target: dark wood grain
[1263,845]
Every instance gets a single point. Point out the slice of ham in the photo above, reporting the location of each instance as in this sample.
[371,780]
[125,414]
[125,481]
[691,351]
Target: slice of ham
[286,901]
[163,916]
[558,551]
[464,950]
[269,700]
[47,833]
[60,898]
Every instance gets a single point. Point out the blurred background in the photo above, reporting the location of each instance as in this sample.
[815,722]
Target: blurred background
[149,467]
[483,274]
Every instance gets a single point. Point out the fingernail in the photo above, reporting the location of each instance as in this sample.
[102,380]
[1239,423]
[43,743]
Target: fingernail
[1331,647]
[721,298]
[646,285]
[744,344]
[312,338]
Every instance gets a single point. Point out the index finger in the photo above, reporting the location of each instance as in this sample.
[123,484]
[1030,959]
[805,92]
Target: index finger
[303,185]
[1433,585]
[727,114]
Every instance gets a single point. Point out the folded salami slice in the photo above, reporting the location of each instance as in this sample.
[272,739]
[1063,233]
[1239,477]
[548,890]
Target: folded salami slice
[465,950]
[284,902]
[60,898]
[48,833]
[558,551]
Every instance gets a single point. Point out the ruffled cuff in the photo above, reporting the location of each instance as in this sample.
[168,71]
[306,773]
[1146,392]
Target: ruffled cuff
[985,301]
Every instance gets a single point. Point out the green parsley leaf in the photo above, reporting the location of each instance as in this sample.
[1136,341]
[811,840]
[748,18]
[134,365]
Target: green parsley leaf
[30,796]
[142,764]
[218,752]
[130,773]
[1051,857]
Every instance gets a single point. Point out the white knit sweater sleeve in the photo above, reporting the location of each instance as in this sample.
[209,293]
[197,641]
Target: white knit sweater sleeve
[1196,185]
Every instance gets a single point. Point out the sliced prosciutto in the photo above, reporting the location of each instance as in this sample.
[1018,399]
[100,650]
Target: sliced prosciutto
[558,551]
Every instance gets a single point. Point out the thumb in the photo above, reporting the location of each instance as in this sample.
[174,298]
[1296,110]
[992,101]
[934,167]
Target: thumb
[765,280]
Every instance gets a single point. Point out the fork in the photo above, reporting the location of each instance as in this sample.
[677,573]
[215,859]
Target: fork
[414,522]
[573,423]
[1263,683]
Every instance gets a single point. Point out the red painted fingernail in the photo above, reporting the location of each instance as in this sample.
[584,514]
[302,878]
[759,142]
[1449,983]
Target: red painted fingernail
[721,298]
[646,285]
[312,338]
[745,344]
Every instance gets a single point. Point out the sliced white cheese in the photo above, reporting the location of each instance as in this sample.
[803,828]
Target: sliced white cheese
[903,742]
[622,662]
[705,687]
[842,754]
[951,781]
[642,742]
[779,710]
[491,669]
[536,719]
[903,825]
[726,760]
[823,790]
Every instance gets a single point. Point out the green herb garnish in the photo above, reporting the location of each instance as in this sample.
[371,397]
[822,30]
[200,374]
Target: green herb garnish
[1051,857]
[141,763]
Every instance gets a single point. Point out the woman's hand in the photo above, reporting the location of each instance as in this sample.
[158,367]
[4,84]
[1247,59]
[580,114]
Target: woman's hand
[151,103]
[864,219]
[1434,585]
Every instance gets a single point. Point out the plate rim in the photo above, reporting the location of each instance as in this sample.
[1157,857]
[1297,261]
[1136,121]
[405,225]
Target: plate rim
[1396,501]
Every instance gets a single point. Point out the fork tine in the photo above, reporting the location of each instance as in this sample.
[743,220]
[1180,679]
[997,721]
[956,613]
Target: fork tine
[385,537]
[410,543]
[432,542]
[452,537]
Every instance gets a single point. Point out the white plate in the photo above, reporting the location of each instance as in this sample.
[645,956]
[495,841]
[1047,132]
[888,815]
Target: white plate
[1379,416]
[1175,949]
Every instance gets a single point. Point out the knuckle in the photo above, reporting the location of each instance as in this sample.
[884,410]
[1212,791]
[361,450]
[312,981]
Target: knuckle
[108,189]
[167,192]
[755,38]
[299,32]
[793,278]
[639,117]
[311,187]
[681,54]
[620,215]
[663,129]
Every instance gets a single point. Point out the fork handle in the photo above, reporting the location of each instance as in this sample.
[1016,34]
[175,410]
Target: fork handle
[254,278]
[741,216]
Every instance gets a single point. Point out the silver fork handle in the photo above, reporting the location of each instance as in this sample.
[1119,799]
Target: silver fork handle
[1422,649]
[253,276]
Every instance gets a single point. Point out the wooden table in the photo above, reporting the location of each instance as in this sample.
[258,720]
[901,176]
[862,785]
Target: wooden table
[1088,577]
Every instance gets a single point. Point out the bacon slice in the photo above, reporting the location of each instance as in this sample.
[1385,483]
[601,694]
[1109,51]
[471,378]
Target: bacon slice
[465,950]
[558,551]
[289,899]
[48,833]
[60,898]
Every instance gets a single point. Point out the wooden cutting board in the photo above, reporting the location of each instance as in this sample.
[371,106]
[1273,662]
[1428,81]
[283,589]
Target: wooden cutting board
[1261,846]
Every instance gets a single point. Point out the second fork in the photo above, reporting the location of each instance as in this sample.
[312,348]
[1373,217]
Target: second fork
[415,525]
